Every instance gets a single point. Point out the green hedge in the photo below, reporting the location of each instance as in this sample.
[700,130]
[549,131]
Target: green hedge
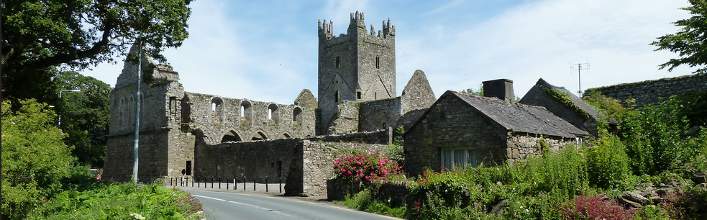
[119,201]
[531,189]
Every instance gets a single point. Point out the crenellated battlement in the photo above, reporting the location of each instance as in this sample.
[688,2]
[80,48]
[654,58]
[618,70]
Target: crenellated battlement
[357,27]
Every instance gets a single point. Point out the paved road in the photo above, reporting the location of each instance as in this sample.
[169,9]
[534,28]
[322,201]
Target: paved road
[238,205]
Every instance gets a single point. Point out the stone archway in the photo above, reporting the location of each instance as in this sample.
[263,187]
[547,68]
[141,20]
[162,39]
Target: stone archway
[231,136]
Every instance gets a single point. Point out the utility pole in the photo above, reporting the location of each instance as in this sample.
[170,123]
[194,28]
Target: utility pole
[580,67]
[137,113]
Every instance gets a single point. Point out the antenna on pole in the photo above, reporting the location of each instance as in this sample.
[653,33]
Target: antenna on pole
[580,67]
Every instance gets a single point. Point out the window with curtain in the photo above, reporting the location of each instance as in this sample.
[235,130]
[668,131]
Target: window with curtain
[458,158]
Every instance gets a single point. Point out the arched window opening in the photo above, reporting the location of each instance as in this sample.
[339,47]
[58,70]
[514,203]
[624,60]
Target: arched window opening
[217,109]
[358,95]
[336,96]
[231,137]
[246,110]
[260,136]
[378,62]
[273,113]
[297,115]
[216,104]
[338,62]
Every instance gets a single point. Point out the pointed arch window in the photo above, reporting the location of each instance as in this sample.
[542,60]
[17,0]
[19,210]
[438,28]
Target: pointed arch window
[297,115]
[378,62]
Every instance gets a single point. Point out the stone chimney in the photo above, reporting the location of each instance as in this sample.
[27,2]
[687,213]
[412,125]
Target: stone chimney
[499,88]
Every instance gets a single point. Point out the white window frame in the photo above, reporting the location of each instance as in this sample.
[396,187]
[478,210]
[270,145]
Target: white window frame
[468,158]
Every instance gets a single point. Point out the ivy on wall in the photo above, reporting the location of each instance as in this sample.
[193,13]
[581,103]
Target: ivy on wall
[566,100]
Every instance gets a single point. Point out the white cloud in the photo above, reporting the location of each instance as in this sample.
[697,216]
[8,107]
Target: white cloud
[229,55]
[543,39]
[339,11]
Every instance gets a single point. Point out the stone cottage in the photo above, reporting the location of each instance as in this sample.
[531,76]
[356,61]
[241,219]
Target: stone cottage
[564,104]
[465,130]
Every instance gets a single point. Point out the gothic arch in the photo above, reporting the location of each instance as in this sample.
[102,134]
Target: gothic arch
[297,115]
[260,135]
[231,136]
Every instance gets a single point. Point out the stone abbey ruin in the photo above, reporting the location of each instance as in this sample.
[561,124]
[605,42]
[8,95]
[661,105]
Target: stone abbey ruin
[357,107]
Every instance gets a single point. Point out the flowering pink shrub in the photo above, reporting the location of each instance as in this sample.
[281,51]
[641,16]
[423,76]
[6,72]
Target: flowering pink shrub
[364,167]
[597,207]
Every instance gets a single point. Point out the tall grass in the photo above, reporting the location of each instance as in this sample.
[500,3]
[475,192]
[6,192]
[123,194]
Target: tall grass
[119,201]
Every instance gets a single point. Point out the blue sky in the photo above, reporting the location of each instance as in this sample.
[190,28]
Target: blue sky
[267,50]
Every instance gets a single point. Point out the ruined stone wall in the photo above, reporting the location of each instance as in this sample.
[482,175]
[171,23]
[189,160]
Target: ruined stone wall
[171,118]
[154,146]
[318,165]
[346,118]
[452,124]
[153,159]
[379,114]
[520,145]
[217,117]
[254,160]
[417,94]
[652,91]
[304,165]
[383,136]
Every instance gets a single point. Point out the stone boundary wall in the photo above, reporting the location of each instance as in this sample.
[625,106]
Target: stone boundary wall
[520,147]
[652,91]
[253,160]
[379,114]
[382,136]
[304,165]
[318,163]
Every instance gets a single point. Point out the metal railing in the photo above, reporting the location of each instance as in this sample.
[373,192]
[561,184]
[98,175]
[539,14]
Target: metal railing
[236,184]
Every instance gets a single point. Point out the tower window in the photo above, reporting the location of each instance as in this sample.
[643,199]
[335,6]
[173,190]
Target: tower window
[336,96]
[378,62]
[338,62]
[358,95]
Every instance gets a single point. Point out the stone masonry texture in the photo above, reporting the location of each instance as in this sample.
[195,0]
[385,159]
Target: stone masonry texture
[172,119]
[357,107]
[652,91]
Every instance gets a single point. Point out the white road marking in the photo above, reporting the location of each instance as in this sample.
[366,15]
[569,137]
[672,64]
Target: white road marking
[245,204]
[304,203]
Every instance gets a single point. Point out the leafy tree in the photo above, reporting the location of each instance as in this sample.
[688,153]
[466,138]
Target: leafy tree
[41,34]
[476,92]
[84,115]
[34,157]
[689,42]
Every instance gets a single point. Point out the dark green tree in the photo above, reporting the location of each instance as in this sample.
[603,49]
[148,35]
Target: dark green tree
[39,35]
[84,115]
[689,43]
[34,157]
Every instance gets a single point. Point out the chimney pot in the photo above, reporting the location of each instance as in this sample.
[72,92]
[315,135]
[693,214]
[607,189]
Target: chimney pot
[499,88]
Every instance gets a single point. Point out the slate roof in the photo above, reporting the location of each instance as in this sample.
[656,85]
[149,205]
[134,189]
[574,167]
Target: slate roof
[575,100]
[521,118]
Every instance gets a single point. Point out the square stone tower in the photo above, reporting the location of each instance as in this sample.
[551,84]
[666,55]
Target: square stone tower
[356,66]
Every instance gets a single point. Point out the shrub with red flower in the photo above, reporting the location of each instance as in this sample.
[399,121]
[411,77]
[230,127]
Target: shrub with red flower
[597,207]
[364,167]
